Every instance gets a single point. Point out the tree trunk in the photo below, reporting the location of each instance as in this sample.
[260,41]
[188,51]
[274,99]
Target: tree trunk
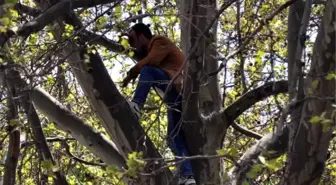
[307,156]
[13,152]
[198,45]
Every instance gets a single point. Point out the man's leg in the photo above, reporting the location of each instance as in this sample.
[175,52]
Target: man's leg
[149,77]
[155,77]
[176,141]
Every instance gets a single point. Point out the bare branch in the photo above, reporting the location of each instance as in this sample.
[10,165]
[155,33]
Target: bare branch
[67,148]
[180,159]
[245,131]
[101,40]
[51,140]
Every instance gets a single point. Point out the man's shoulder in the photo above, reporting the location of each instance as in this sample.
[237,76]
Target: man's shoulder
[161,39]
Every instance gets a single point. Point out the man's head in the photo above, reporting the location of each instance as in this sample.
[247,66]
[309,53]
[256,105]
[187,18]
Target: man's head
[139,37]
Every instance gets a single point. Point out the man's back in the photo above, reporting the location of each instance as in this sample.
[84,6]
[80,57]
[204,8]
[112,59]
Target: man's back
[173,59]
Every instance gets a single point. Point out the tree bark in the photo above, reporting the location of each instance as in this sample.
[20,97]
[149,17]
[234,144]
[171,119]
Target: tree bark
[13,152]
[294,21]
[307,156]
[97,143]
[196,17]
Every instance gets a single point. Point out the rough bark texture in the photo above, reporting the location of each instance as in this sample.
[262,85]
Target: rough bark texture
[308,153]
[13,151]
[294,21]
[195,18]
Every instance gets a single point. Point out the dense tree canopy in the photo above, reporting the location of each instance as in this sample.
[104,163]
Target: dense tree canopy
[259,92]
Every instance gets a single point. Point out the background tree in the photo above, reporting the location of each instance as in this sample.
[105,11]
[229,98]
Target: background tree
[258,100]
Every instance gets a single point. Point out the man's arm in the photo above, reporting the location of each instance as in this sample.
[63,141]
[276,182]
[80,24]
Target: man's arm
[158,52]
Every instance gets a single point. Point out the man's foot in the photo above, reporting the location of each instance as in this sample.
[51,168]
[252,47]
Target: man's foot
[135,108]
[187,180]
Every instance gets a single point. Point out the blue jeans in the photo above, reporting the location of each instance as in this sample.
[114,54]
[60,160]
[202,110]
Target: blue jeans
[156,77]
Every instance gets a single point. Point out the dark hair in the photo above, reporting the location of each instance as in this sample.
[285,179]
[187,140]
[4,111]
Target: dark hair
[142,28]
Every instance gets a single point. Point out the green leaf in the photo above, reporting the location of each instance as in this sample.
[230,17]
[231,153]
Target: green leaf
[153,117]
[233,152]
[255,170]
[14,122]
[50,79]
[131,53]
[101,22]
[70,98]
[50,35]
[5,21]
[135,164]
[315,119]
[245,182]
[47,164]
[326,127]
[3,29]
[117,11]
[124,43]
[220,152]
[14,14]
[314,84]
[331,76]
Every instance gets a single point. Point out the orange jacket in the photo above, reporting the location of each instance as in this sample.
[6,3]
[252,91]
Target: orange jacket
[164,54]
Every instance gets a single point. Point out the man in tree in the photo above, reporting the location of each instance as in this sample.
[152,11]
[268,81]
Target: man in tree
[159,62]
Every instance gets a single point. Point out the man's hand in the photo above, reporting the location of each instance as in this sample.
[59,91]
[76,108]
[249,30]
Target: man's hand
[132,74]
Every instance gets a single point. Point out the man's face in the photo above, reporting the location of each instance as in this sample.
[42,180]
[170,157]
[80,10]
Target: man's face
[137,42]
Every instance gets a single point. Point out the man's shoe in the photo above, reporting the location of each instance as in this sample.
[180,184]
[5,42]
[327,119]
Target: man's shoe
[187,180]
[135,108]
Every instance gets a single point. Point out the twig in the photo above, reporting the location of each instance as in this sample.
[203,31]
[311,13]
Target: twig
[67,149]
[245,131]
[181,159]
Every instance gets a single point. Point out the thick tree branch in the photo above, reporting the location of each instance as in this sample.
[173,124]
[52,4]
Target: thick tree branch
[252,97]
[271,146]
[62,8]
[67,121]
[272,143]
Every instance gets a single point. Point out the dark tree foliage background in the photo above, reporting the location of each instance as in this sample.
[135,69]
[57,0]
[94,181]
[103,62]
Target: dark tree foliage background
[263,111]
